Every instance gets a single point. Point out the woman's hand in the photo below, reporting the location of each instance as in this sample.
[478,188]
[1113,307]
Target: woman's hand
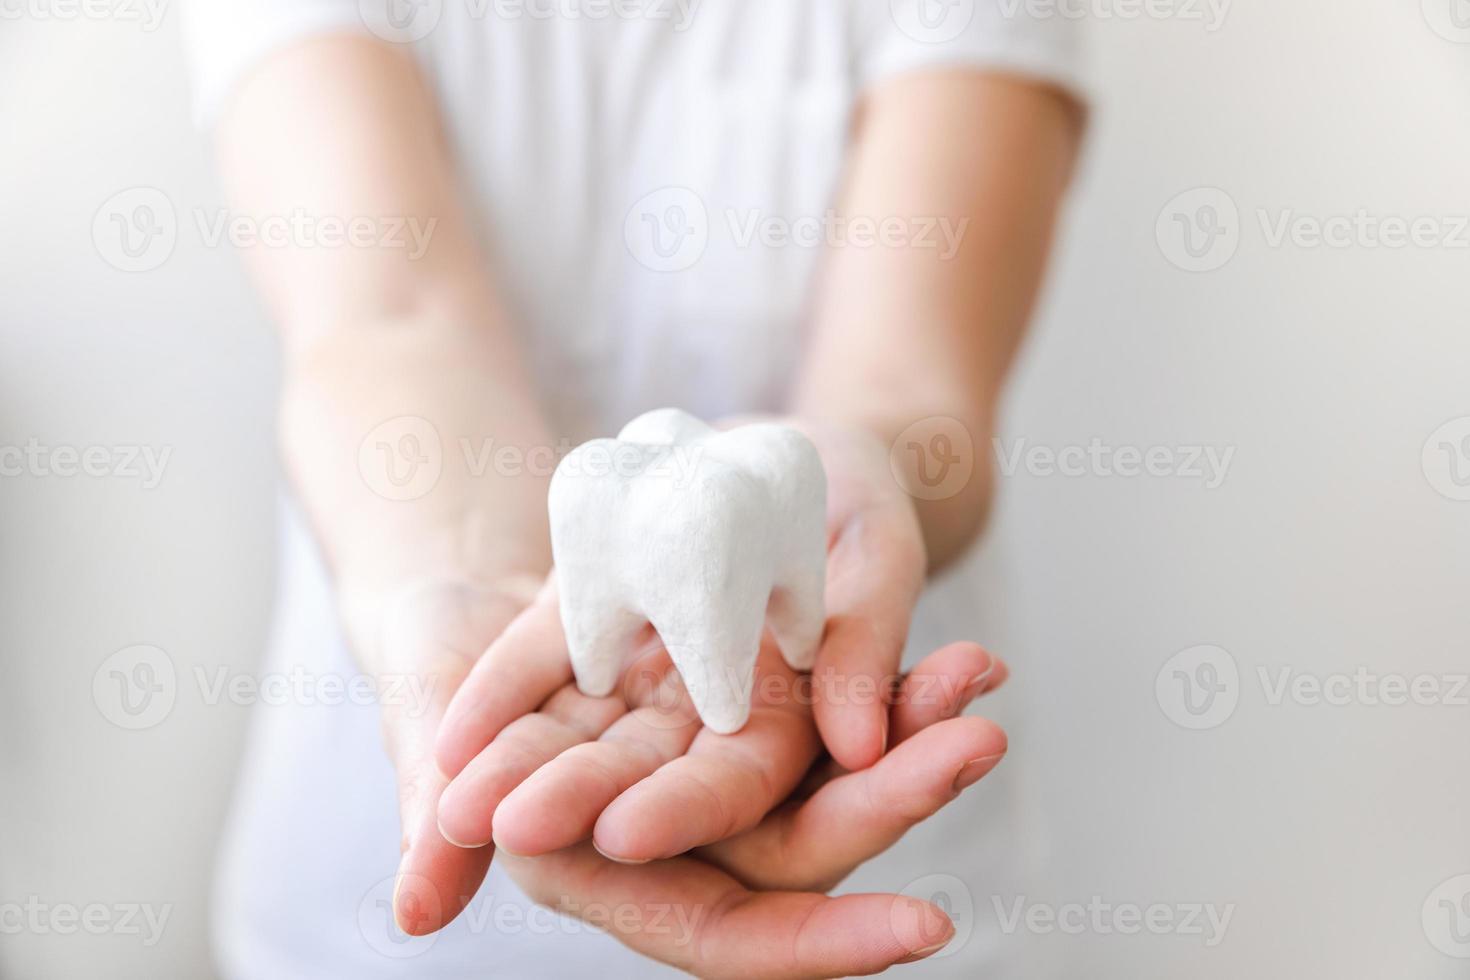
[431,634]
[751,906]
[615,769]
[539,766]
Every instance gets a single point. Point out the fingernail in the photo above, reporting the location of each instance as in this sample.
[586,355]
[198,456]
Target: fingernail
[501,848]
[467,846]
[971,771]
[619,860]
[975,686]
[920,954]
[393,902]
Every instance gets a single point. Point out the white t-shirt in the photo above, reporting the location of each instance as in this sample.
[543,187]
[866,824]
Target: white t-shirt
[632,166]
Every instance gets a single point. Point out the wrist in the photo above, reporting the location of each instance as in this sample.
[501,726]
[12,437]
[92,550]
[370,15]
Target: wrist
[402,624]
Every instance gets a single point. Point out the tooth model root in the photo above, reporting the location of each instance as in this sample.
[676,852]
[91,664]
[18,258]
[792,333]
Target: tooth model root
[708,536]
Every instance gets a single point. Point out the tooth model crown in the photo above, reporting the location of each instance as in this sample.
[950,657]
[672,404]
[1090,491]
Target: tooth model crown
[707,535]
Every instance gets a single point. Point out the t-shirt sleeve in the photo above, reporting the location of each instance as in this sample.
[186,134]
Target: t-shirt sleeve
[224,39]
[1030,38]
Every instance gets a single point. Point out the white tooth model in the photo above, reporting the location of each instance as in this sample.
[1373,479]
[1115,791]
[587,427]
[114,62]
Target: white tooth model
[707,535]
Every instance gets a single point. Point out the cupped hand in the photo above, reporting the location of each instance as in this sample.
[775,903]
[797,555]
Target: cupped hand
[876,568]
[422,642]
[752,905]
[540,766]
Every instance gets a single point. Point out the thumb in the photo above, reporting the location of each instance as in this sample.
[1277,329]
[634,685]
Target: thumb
[430,639]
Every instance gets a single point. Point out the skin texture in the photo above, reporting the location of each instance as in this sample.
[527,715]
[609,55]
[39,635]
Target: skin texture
[444,586]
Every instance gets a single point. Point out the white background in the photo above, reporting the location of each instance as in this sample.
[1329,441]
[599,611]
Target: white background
[1325,550]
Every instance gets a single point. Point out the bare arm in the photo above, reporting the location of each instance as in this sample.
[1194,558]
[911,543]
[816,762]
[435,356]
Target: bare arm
[906,333]
[428,572]
[346,128]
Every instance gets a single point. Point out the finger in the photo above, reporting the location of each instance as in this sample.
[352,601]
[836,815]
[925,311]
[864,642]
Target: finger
[817,843]
[427,632]
[940,686]
[724,784]
[468,806]
[875,573]
[559,804]
[521,669]
[694,917]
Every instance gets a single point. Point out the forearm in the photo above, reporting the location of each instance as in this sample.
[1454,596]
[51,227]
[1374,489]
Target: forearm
[917,332]
[389,434]
[403,375]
